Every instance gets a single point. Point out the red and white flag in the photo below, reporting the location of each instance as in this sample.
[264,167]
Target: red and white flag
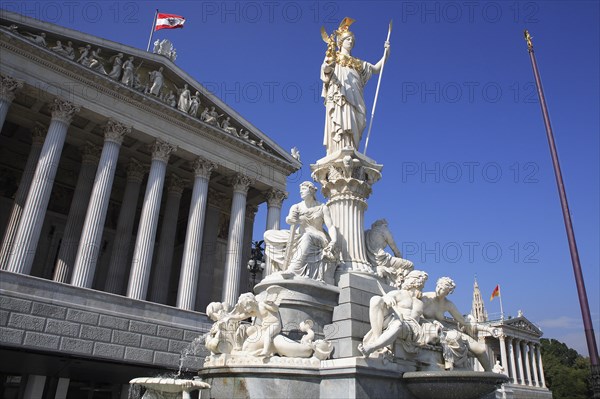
[169,21]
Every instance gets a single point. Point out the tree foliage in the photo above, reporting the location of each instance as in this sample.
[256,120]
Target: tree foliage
[567,372]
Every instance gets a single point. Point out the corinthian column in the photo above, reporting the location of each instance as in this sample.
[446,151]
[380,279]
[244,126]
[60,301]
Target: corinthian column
[192,250]
[520,363]
[534,364]
[541,365]
[527,366]
[274,201]
[91,236]
[233,262]
[8,86]
[38,133]
[513,368]
[164,257]
[503,353]
[32,219]
[81,197]
[144,245]
[117,270]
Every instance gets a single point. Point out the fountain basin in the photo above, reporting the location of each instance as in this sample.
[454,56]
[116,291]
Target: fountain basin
[169,385]
[452,384]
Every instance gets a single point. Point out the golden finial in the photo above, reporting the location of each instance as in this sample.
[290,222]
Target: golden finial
[528,40]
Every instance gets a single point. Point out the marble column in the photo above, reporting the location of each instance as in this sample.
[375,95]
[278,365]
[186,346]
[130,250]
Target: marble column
[144,246]
[192,250]
[513,366]
[233,262]
[541,366]
[8,87]
[38,133]
[534,365]
[520,363]
[274,201]
[75,218]
[527,365]
[117,270]
[93,227]
[166,244]
[34,211]
[503,358]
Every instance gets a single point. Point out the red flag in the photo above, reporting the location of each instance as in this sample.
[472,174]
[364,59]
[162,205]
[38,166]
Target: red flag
[169,21]
[495,293]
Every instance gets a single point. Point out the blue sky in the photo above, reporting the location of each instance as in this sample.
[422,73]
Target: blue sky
[468,186]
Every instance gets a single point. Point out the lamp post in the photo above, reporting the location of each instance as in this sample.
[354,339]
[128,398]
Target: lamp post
[256,263]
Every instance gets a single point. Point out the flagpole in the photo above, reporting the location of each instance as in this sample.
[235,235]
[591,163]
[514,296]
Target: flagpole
[377,90]
[579,281]
[152,30]
[501,307]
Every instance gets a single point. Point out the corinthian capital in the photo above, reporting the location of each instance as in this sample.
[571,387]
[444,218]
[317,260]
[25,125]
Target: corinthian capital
[275,198]
[203,167]
[63,110]
[8,86]
[135,170]
[161,150]
[115,131]
[241,183]
[90,153]
[38,133]
[176,184]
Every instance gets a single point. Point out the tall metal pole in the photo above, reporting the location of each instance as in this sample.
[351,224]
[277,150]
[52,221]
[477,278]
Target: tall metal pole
[583,301]
[152,30]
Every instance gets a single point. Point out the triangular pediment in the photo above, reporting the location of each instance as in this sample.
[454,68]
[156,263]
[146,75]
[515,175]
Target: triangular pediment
[522,323]
[241,132]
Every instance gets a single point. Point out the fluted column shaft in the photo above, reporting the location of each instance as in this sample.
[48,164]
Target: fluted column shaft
[513,368]
[37,136]
[527,366]
[76,216]
[233,262]
[347,214]
[534,364]
[8,86]
[192,251]
[503,354]
[32,219]
[274,201]
[117,270]
[541,366]
[164,257]
[91,236]
[144,245]
[520,363]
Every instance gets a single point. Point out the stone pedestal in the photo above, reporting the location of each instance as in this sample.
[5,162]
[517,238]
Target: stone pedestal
[346,177]
[304,299]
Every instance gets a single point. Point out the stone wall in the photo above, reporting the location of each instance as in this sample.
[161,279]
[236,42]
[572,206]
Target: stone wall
[42,315]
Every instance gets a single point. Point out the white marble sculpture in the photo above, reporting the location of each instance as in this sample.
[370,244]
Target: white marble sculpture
[128,72]
[117,66]
[185,99]
[84,55]
[262,338]
[194,105]
[165,47]
[96,61]
[40,39]
[156,80]
[226,125]
[398,315]
[344,78]
[295,153]
[59,49]
[306,249]
[392,268]
[455,342]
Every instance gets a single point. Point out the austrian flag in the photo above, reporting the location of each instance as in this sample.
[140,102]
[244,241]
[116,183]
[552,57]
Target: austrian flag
[169,21]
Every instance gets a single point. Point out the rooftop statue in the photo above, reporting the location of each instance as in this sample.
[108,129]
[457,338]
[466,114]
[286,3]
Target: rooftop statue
[344,79]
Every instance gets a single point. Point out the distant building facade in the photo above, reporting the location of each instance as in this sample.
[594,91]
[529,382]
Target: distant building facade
[516,351]
[127,204]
